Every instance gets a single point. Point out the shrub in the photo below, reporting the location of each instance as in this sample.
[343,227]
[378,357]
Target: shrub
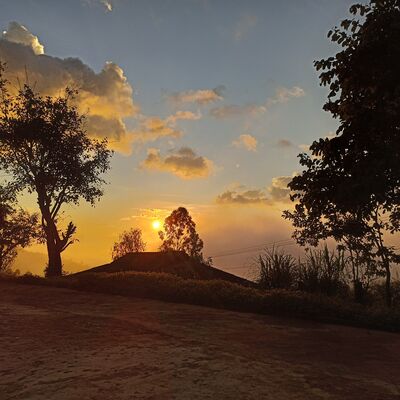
[323,271]
[222,294]
[276,270]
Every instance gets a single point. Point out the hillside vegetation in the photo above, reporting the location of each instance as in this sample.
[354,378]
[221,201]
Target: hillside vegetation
[227,295]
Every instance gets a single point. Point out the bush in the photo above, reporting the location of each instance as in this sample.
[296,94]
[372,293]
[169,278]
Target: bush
[323,271]
[223,294]
[276,270]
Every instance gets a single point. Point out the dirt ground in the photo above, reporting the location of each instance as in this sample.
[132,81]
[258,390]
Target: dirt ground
[67,345]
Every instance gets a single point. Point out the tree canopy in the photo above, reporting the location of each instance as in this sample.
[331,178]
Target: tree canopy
[46,150]
[180,234]
[18,228]
[129,242]
[350,186]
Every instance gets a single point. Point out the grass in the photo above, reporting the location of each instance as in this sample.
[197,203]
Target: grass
[225,295]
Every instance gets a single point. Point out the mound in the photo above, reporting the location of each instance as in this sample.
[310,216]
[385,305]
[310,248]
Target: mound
[173,262]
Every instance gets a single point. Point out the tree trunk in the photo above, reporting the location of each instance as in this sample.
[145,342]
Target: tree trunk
[54,267]
[388,287]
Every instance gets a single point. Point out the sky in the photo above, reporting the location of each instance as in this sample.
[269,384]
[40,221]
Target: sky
[206,104]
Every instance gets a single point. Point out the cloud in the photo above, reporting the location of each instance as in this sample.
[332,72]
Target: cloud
[105,97]
[200,97]
[184,163]
[233,110]
[154,128]
[244,25]
[246,141]
[17,33]
[277,192]
[284,143]
[256,196]
[282,95]
[183,115]
[107,4]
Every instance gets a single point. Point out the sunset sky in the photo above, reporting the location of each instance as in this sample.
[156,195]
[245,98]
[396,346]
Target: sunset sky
[206,104]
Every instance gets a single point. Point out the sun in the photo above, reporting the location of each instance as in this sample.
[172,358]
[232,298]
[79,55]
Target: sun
[156,224]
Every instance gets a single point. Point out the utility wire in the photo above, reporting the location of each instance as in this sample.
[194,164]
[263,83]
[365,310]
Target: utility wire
[249,249]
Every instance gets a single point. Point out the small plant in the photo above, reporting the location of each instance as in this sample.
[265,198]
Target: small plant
[323,271]
[277,270]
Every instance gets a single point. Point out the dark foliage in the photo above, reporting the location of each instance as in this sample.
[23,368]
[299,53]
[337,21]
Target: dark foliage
[180,234]
[129,242]
[276,270]
[226,295]
[18,228]
[46,150]
[350,186]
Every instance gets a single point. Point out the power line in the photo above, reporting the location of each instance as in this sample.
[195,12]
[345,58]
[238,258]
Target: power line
[249,249]
[255,245]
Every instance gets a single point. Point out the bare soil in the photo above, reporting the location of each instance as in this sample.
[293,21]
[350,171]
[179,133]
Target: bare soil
[67,345]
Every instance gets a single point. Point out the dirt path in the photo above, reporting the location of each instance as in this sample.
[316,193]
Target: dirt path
[60,344]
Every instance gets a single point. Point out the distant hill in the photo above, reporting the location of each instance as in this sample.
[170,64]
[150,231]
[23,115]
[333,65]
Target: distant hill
[173,262]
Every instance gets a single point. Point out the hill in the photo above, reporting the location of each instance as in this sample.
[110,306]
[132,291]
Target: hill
[172,262]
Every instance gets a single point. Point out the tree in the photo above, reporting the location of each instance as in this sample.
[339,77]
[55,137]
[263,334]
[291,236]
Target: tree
[350,186]
[18,228]
[180,234]
[129,242]
[44,147]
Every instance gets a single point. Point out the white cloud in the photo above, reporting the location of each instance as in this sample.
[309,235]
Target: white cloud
[107,4]
[17,33]
[246,141]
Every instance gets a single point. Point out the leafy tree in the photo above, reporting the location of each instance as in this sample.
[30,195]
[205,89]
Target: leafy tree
[18,228]
[44,147]
[350,186]
[180,234]
[129,242]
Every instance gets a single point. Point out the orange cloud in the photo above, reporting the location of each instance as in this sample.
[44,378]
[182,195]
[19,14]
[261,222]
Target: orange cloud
[276,192]
[246,141]
[200,97]
[184,163]
[106,95]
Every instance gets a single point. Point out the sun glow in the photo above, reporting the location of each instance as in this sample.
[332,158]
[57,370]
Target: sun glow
[156,225]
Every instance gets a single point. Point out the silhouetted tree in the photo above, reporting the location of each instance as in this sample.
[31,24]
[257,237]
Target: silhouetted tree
[18,228]
[180,234]
[129,242]
[44,147]
[350,188]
